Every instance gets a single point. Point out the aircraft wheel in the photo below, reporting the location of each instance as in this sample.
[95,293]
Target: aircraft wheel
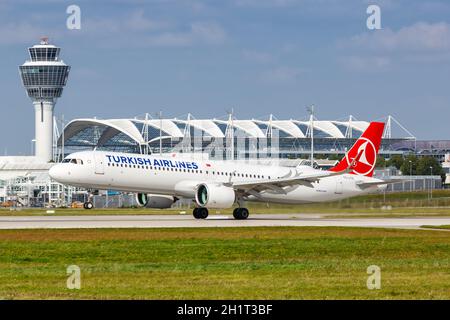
[88,205]
[195,213]
[200,213]
[240,213]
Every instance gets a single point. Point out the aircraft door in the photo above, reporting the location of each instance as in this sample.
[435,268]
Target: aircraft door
[99,163]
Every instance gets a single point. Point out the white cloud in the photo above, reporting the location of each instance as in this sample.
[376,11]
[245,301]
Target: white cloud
[366,63]
[208,32]
[139,22]
[130,29]
[378,50]
[421,36]
[199,33]
[138,30]
[24,33]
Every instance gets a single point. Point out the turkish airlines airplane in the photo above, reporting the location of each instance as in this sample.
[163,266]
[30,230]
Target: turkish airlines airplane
[160,181]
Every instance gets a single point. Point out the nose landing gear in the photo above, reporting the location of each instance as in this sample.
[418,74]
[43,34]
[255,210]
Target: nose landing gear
[88,205]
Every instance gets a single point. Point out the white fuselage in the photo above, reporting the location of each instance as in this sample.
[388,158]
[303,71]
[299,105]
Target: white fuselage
[179,177]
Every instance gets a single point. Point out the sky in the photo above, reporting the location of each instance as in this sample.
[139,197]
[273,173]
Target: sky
[255,57]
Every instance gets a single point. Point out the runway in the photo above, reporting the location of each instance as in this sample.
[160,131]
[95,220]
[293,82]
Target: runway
[187,221]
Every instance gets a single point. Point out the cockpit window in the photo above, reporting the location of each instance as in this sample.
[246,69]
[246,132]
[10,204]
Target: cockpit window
[75,161]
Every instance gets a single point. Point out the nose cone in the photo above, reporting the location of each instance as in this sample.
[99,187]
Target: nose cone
[56,173]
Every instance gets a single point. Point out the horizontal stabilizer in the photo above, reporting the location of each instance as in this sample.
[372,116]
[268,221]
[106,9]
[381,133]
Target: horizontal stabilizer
[365,185]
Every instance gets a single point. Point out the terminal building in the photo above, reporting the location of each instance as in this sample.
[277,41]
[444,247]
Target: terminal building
[217,138]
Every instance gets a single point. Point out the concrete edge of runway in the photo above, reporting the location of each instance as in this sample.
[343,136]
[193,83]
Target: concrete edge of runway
[187,221]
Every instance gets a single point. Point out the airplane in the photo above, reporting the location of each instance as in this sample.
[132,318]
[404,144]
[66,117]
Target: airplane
[160,181]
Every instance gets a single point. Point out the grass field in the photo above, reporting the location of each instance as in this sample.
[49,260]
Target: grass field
[444,227]
[231,263]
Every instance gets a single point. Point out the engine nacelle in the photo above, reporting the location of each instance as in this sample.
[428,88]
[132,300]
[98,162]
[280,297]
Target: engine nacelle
[155,201]
[215,196]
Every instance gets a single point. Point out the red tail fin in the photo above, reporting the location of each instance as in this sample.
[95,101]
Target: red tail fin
[365,150]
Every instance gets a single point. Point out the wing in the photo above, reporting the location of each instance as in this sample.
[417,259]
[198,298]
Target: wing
[279,184]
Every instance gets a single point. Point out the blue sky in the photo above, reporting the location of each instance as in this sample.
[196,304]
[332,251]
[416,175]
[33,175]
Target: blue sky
[255,56]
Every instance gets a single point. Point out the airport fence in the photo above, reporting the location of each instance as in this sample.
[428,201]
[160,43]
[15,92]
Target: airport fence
[389,204]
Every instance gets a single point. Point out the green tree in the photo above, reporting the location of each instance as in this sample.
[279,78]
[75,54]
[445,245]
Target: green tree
[335,157]
[409,165]
[381,162]
[395,161]
[425,164]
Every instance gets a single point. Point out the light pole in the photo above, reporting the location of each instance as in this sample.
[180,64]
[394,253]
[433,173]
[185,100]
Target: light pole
[431,182]
[311,120]
[410,175]
[160,133]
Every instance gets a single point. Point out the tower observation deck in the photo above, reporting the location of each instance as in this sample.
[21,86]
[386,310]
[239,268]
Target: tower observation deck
[44,77]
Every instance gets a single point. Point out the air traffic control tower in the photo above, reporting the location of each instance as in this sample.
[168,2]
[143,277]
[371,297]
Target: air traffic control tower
[44,77]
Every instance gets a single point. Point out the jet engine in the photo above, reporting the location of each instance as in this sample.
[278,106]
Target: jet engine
[214,196]
[155,201]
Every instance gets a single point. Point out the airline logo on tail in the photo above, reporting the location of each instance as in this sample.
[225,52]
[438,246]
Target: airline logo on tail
[362,157]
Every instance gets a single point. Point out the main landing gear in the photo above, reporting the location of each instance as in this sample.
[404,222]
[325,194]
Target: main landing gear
[240,213]
[200,213]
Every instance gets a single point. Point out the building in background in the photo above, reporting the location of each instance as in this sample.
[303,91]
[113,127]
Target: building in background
[44,77]
[24,180]
[225,139]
